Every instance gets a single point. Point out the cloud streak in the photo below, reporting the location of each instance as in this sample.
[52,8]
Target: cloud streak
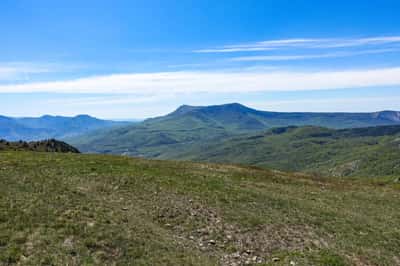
[167,83]
[111,100]
[321,43]
[12,71]
[17,71]
[351,104]
[311,56]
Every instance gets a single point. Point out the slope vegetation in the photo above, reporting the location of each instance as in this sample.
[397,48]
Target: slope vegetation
[50,145]
[367,152]
[72,209]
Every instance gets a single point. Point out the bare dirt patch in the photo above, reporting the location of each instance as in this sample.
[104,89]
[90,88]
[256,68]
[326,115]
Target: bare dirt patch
[204,228]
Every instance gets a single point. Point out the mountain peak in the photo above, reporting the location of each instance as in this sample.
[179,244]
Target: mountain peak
[84,116]
[46,116]
[60,116]
[388,115]
[184,109]
[222,108]
[229,108]
[233,106]
[236,105]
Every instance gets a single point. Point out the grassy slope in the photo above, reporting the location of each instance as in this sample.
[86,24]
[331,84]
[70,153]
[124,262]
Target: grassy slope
[96,209]
[367,152]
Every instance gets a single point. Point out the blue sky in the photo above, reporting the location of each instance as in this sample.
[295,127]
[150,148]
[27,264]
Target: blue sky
[137,59]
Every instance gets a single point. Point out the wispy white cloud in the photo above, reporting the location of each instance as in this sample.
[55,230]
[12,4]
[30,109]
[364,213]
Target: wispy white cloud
[111,100]
[303,43]
[12,71]
[339,43]
[189,65]
[350,104]
[20,71]
[215,82]
[311,56]
[233,49]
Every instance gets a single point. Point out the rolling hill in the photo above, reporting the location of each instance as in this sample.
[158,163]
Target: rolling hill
[367,152]
[189,125]
[47,127]
[79,209]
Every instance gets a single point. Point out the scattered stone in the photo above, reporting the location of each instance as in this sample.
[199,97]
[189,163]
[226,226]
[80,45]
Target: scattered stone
[90,224]
[68,243]
[236,255]
[202,231]
[124,208]
[292,263]
[212,235]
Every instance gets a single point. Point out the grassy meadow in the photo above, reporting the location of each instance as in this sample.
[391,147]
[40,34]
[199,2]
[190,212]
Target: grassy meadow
[74,209]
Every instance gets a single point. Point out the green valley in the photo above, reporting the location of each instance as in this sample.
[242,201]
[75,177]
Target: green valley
[362,152]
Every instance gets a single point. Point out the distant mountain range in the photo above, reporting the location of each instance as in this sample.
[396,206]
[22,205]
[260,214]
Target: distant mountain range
[47,127]
[234,133]
[339,144]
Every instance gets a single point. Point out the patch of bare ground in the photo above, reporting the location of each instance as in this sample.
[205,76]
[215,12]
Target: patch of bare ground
[204,228]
